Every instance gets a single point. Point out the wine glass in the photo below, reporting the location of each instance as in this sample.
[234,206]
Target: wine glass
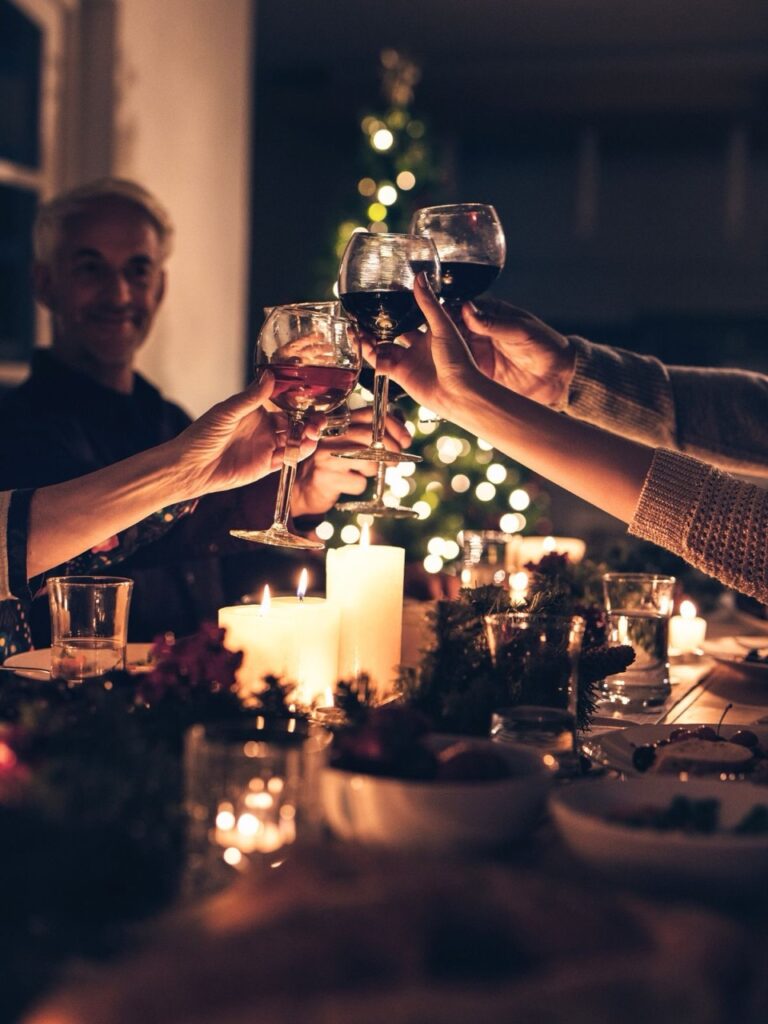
[376,506]
[338,420]
[470,242]
[315,359]
[376,289]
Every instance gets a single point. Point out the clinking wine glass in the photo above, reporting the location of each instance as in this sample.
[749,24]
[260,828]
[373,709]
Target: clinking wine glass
[315,359]
[376,506]
[376,289]
[339,418]
[471,246]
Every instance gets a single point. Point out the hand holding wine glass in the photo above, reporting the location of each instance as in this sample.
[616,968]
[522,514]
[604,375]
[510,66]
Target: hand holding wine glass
[470,242]
[376,289]
[314,358]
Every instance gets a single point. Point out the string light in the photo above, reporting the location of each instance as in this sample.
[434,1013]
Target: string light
[325,530]
[460,483]
[496,473]
[433,563]
[422,509]
[382,140]
[387,195]
[512,522]
[405,180]
[485,491]
[350,534]
[519,500]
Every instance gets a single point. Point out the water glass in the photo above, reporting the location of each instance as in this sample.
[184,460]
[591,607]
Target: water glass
[89,625]
[638,608]
[485,558]
[537,656]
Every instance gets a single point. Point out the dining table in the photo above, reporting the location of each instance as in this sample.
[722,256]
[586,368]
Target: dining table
[334,933]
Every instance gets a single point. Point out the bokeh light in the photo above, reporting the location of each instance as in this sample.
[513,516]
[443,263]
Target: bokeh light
[519,500]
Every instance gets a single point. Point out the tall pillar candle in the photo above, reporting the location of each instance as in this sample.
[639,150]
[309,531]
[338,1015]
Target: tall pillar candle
[288,637]
[365,583]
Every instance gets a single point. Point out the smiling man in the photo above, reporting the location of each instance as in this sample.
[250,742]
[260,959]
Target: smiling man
[100,253]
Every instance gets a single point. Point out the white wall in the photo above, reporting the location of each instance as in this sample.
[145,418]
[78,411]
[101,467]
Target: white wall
[182,119]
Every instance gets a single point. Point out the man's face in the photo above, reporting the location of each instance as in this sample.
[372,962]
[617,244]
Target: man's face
[104,285]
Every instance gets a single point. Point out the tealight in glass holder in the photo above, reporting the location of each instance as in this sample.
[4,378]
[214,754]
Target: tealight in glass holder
[250,790]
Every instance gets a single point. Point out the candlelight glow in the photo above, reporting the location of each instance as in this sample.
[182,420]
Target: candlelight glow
[365,536]
[301,590]
[266,600]
[687,610]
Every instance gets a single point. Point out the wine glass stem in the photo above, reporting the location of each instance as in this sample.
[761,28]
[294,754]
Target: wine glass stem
[380,395]
[381,478]
[288,472]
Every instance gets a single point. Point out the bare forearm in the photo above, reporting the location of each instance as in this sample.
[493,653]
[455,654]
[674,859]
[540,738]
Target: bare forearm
[68,518]
[603,468]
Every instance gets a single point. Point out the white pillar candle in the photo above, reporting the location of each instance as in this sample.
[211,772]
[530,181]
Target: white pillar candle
[297,639]
[521,550]
[686,630]
[365,583]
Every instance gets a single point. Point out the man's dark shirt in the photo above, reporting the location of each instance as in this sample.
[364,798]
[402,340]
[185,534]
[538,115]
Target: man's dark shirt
[61,424]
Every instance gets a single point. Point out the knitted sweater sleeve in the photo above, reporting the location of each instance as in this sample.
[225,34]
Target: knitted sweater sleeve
[716,522]
[715,414]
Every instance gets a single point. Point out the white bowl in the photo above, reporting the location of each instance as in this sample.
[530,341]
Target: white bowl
[438,815]
[650,856]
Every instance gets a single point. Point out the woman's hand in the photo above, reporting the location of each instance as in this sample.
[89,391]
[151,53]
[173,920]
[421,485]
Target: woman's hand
[437,365]
[238,441]
[519,351]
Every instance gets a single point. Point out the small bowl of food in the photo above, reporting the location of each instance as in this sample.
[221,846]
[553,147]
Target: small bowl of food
[432,792]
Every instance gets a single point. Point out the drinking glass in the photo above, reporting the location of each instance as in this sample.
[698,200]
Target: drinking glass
[250,787]
[638,607]
[485,558]
[338,419]
[89,625]
[537,656]
[470,242]
[376,506]
[376,289]
[315,359]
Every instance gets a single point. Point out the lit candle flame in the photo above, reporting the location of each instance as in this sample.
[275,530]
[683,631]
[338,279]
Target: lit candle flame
[365,536]
[266,600]
[301,590]
[687,610]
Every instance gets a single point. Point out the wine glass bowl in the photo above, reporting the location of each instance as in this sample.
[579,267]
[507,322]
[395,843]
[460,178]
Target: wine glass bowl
[314,358]
[470,242]
[376,281]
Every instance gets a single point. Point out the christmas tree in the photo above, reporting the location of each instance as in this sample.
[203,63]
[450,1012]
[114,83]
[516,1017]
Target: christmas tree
[462,482]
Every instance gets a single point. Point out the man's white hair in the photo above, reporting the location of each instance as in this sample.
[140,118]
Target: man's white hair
[52,215]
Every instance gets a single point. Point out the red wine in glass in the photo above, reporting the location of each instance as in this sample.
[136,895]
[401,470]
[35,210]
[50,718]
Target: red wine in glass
[376,280]
[299,387]
[315,359]
[470,242]
[461,281]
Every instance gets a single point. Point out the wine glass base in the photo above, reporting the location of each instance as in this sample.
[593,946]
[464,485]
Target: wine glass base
[278,538]
[377,508]
[377,455]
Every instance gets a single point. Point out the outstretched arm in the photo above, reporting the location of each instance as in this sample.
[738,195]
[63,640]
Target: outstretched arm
[713,520]
[234,443]
[715,414]
[439,372]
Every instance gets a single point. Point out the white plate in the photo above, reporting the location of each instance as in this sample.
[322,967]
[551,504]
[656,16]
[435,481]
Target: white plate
[137,658]
[647,855]
[731,650]
[614,749]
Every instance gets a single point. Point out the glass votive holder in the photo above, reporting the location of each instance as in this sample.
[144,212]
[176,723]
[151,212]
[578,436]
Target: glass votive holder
[250,791]
[485,558]
[537,656]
